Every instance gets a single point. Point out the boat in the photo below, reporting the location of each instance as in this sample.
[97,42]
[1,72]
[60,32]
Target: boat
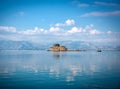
[99,50]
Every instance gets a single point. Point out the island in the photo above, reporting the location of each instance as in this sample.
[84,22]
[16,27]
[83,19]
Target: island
[58,47]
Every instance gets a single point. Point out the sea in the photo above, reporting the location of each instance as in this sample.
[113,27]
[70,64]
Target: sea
[41,69]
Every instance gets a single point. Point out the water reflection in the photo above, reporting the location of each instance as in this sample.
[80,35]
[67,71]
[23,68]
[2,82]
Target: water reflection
[71,66]
[58,55]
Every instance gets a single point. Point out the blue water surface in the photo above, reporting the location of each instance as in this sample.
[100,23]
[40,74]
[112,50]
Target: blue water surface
[35,69]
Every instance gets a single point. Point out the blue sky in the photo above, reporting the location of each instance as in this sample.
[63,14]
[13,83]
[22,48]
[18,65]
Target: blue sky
[54,20]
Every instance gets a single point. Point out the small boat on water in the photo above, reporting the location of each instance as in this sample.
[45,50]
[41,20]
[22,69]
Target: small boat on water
[99,50]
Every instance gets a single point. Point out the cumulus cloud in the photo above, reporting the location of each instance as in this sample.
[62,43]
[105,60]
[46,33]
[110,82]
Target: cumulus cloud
[112,13]
[57,30]
[7,29]
[54,29]
[75,30]
[93,32]
[87,33]
[68,22]
[59,24]
[89,27]
[34,31]
[29,32]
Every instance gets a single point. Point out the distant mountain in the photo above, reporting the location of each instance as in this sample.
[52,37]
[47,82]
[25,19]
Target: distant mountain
[19,45]
[25,45]
[79,45]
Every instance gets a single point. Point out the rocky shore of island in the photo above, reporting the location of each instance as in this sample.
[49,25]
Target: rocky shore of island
[58,47]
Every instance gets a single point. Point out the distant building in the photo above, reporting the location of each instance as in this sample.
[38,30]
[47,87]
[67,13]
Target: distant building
[57,47]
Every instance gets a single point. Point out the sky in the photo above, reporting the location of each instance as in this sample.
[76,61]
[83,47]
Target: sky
[95,21]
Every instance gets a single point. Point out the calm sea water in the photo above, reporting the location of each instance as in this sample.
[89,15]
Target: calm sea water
[34,69]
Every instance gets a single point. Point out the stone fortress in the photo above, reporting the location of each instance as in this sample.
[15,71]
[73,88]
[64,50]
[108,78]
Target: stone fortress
[57,47]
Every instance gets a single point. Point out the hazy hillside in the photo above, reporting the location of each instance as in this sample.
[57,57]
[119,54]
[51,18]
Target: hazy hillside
[18,45]
[24,45]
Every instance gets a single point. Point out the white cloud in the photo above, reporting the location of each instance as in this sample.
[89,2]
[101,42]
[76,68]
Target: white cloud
[29,32]
[112,13]
[79,4]
[87,33]
[59,24]
[89,27]
[106,4]
[75,30]
[54,29]
[34,31]
[70,22]
[109,32]
[93,32]
[7,29]
[83,5]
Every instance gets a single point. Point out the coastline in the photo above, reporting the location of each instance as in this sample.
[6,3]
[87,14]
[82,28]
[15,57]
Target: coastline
[67,50]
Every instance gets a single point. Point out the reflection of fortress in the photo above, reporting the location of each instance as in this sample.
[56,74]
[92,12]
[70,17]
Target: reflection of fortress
[57,47]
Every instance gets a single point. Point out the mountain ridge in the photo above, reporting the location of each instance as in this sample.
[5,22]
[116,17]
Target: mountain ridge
[25,45]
